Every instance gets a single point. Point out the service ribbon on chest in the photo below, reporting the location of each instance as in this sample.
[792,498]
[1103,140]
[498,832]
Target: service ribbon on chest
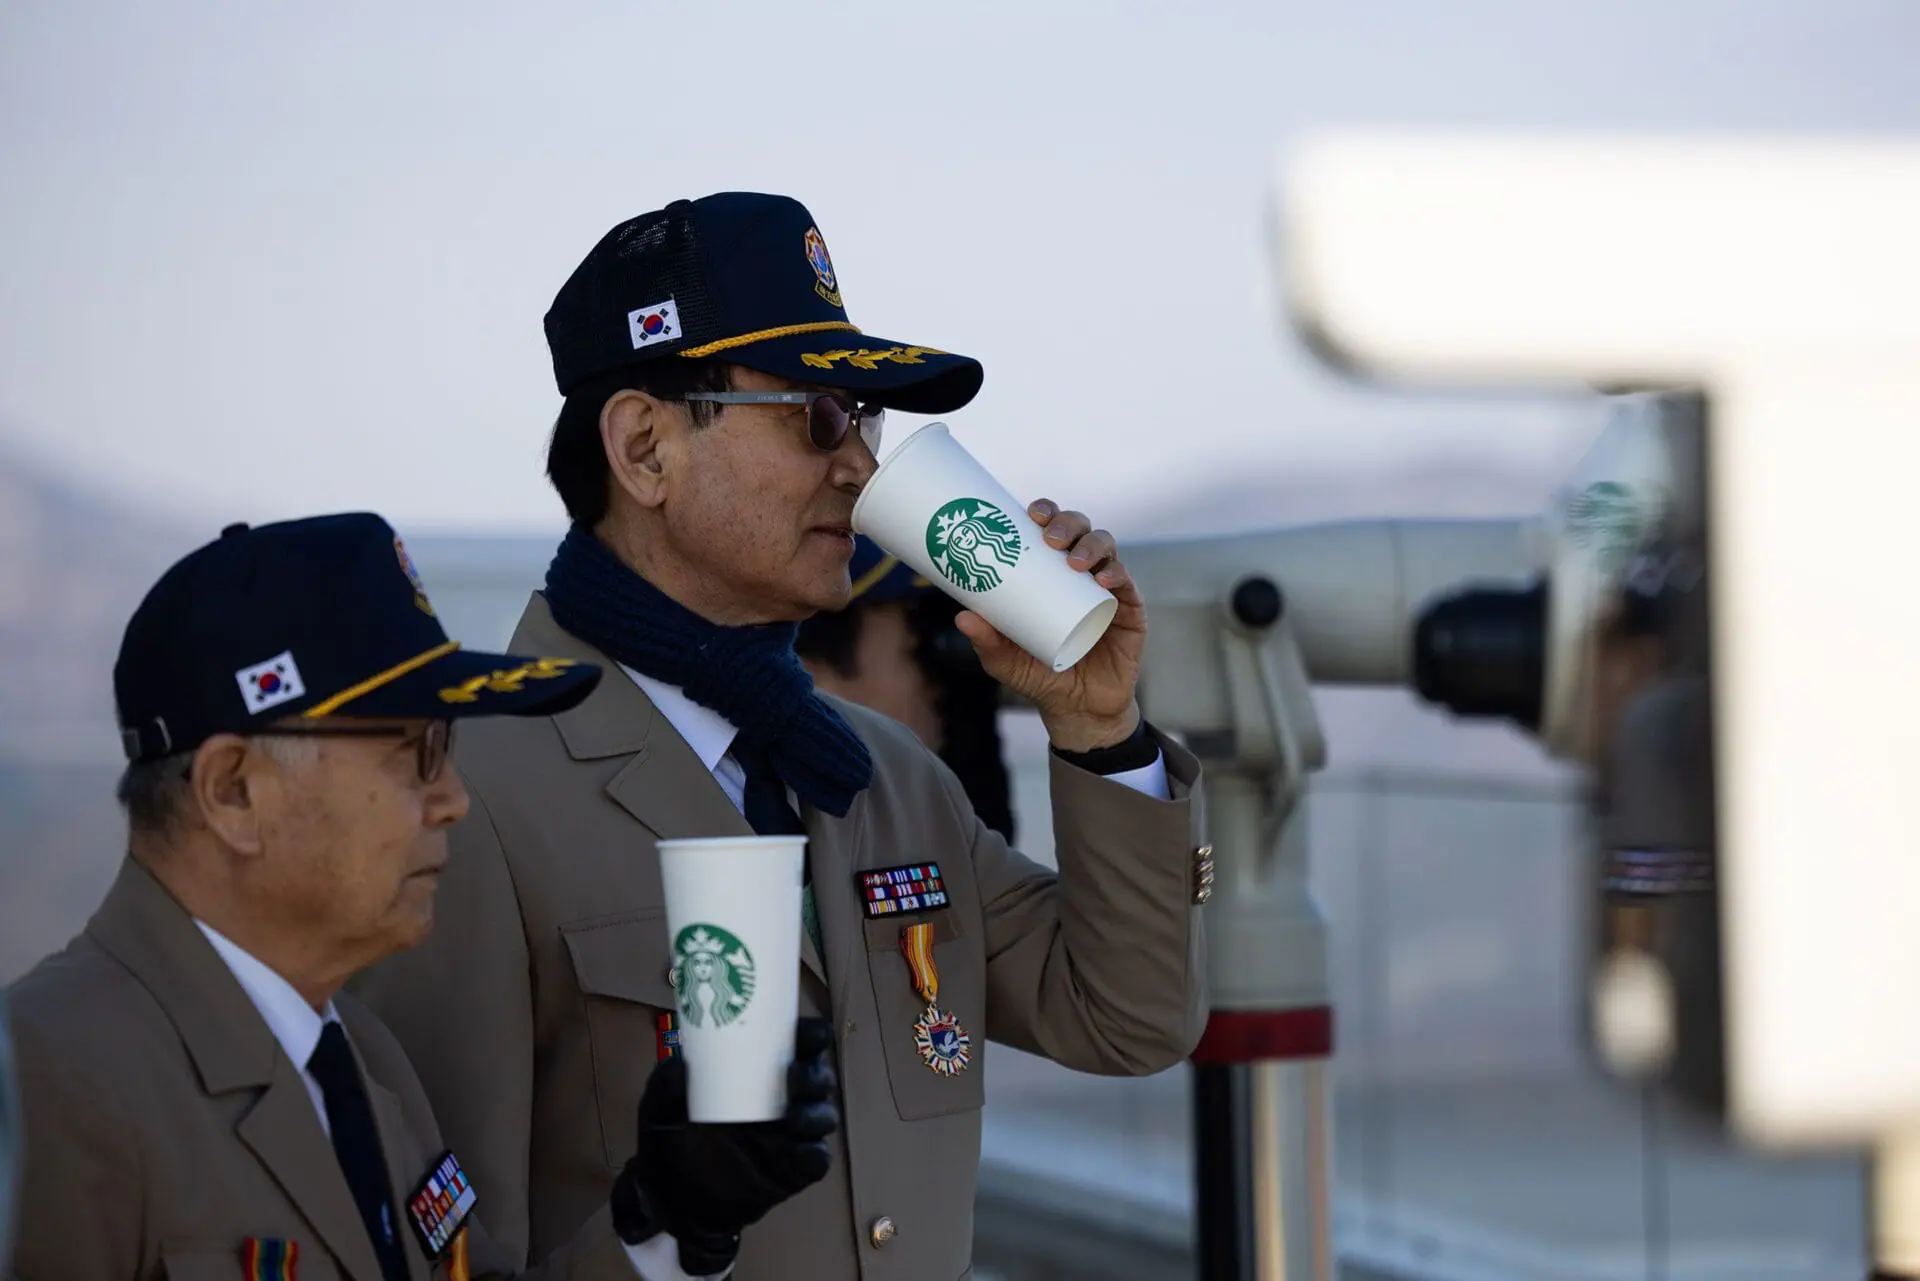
[943,1045]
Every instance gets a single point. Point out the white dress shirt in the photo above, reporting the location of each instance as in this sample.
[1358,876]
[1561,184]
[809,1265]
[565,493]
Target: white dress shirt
[294,1023]
[707,732]
[711,736]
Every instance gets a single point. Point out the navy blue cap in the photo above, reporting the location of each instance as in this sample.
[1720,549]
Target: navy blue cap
[316,618]
[880,577]
[746,277]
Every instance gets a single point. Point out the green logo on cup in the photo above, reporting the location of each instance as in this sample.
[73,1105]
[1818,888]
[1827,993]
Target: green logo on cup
[973,543]
[712,976]
[1611,517]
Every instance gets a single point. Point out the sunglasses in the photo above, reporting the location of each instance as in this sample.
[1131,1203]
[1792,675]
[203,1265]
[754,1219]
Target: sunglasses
[430,752]
[830,414]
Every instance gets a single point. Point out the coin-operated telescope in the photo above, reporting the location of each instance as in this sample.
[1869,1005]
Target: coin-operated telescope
[1242,627]
[1485,617]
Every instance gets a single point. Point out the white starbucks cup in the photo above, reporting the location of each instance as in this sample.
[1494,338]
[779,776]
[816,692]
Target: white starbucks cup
[733,929]
[936,508]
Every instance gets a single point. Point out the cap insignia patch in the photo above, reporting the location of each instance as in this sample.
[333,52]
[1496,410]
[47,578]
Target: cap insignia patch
[825,283]
[413,576]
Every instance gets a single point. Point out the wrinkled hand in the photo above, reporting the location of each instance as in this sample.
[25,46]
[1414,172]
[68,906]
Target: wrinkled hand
[703,1183]
[1092,703]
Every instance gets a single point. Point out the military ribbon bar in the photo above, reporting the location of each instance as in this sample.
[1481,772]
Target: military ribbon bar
[269,1259]
[440,1204]
[891,891]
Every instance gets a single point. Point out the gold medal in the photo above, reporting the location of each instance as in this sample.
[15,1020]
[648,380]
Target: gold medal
[943,1045]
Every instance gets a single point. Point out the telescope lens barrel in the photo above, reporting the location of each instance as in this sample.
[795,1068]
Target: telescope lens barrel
[1483,653]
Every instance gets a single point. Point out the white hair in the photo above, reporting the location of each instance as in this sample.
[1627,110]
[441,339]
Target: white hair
[154,792]
[293,751]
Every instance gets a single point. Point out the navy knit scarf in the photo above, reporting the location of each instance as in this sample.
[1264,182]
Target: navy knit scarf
[750,675]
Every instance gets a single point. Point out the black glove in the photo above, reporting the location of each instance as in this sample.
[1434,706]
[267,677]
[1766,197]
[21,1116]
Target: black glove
[703,1183]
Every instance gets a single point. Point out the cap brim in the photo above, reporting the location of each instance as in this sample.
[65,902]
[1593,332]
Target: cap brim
[896,375]
[465,683]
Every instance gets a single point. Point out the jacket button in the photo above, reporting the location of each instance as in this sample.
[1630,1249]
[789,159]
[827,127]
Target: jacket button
[882,1231]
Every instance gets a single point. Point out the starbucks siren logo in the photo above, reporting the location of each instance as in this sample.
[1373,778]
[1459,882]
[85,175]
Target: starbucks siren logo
[1609,517]
[973,543]
[712,976]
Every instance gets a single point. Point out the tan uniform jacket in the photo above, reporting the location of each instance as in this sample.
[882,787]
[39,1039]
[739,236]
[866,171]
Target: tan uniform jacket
[164,1125]
[530,1013]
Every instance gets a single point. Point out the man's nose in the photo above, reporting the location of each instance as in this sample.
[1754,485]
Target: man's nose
[853,464]
[447,799]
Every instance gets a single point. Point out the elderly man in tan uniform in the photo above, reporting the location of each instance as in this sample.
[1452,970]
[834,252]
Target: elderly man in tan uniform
[721,417]
[198,1099]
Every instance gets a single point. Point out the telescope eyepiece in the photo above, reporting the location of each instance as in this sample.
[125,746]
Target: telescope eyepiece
[1483,653]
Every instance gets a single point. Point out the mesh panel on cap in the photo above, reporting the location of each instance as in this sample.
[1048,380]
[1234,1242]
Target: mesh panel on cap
[666,254]
[638,264]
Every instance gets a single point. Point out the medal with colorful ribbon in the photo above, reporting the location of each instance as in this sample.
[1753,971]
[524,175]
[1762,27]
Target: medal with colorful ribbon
[938,1035]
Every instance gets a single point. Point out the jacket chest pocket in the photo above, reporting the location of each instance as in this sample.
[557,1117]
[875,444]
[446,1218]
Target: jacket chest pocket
[936,1065]
[620,963]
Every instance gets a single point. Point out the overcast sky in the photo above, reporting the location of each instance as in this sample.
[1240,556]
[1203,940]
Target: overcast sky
[263,260]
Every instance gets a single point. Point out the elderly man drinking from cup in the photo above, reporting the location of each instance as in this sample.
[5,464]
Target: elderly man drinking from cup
[720,421]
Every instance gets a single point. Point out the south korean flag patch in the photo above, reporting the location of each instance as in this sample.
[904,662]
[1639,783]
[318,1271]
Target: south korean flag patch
[654,324]
[271,683]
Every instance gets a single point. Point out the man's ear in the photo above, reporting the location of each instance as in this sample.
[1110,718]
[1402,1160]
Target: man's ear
[637,431]
[224,781]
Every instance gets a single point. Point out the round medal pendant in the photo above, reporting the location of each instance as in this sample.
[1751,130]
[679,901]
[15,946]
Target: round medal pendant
[941,1042]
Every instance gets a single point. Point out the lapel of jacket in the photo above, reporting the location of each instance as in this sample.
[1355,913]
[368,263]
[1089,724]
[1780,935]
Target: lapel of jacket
[663,785]
[831,846]
[406,1164]
[147,930]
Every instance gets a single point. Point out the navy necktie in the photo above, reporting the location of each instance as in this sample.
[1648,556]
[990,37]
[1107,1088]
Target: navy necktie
[768,811]
[356,1141]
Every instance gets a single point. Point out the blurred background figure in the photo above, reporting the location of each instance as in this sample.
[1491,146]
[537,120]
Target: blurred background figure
[895,649]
